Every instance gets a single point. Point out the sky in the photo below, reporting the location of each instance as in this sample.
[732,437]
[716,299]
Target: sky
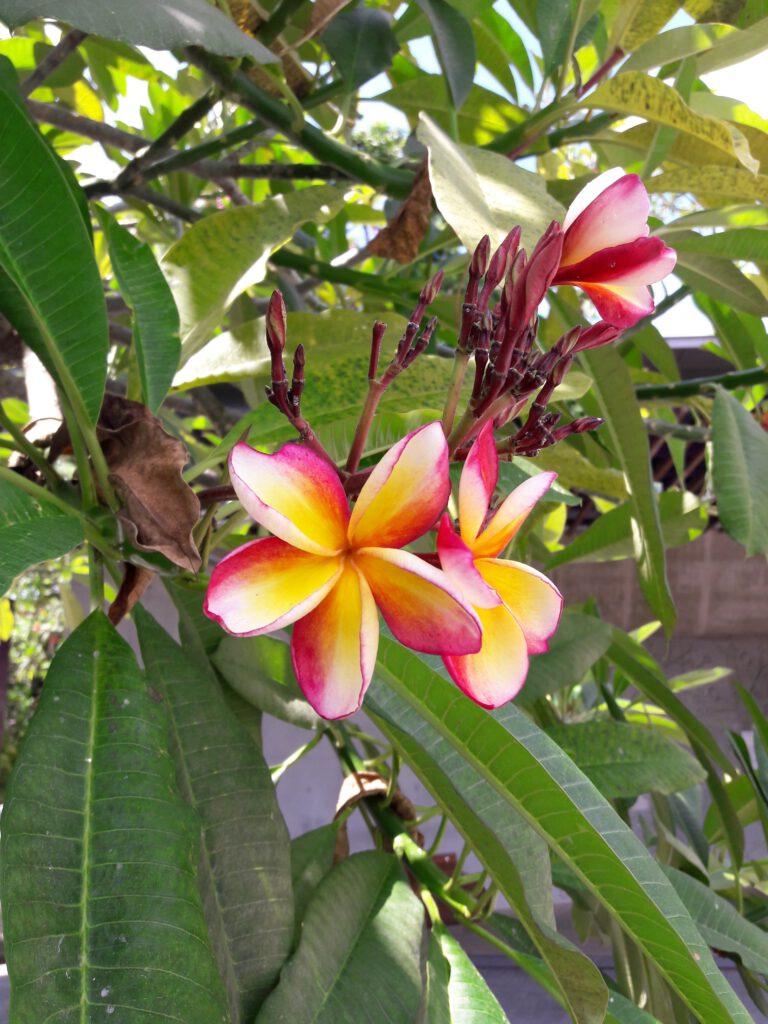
[737,82]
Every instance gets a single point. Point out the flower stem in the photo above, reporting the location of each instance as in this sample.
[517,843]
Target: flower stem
[460,363]
[375,390]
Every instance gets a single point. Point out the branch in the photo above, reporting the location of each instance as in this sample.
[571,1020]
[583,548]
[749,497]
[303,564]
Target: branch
[52,113]
[66,45]
[357,165]
[686,388]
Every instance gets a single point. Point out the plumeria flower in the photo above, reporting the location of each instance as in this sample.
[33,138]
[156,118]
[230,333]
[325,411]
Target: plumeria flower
[519,608]
[607,251]
[325,569]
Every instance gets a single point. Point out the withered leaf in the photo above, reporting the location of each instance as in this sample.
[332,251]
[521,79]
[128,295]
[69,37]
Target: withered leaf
[145,462]
[135,581]
[401,238]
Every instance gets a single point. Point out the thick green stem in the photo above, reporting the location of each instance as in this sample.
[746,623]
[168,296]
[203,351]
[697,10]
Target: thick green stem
[32,452]
[460,363]
[694,386]
[375,391]
[357,165]
[568,53]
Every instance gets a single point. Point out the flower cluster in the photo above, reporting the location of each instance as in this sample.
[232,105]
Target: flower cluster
[329,566]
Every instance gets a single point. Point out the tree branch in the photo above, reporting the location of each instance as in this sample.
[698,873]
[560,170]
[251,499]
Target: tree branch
[66,45]
[686,388]
[106,134]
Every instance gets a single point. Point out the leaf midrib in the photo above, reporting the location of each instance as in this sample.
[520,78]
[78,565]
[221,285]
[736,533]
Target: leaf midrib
[88,837]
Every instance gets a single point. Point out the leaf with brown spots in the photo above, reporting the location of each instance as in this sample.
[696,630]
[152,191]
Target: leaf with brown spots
[159,509]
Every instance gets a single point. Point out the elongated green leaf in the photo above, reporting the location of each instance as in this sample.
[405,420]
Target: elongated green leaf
[434,1007]
[634,92]
[259,669]
[745,215]
[362,44]
[244,870]
[31,532]
[222,255]
[470,1001]
[579,642]
[750,244]
[513,47]
[729,183]
[682,518]
[636,21]
[720,923]
[577,472]
[102,914]
[50,287]
[144,22]
[743,337]
[481,193]
[736,48]
[615,395]
[156,319]
[554,19]
[626,760]
[311,860]
[360,946]
[455,44]
[675,44]
[740,472]
[530,773]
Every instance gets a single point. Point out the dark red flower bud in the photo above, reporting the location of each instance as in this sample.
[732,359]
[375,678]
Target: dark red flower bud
[597,335]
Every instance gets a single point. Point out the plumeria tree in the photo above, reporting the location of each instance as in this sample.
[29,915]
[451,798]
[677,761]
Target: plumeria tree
[348,398]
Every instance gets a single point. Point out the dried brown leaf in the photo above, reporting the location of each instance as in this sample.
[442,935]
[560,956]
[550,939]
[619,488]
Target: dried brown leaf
[136,579]
[145,462]
[401,238]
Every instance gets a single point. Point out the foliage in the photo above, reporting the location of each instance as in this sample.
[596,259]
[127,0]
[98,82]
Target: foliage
[146,867]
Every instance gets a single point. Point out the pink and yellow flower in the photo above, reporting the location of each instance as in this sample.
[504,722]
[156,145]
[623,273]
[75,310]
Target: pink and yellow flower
[326,569]
[607,251]
[519,608]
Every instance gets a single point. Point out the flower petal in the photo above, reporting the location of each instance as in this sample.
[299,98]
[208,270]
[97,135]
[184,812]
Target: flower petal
[295,494]
[621,305]
[533,599]
[406,492]
[477,484]
[334,647]
[266,585]
[497,672]
[590,192]
[418,602]
[643,261]
[458,563]
[618,214]
[511,515]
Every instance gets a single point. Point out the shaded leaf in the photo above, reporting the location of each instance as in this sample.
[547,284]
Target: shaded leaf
[482,193]
[579,642]
[362,44]
[676,44]
[159,509]
[244,871]
[470,1001]
[312,856]
[100,902]
[223,254]
[174,23]
[360,943]
[156,319]
[740,472]
[50,288]
[31,532]
[455,44]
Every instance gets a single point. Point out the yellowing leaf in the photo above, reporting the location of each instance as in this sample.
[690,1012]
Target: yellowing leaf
[728,182]
[6,620]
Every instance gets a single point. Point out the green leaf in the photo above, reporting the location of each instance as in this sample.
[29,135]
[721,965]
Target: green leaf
[579,642]
[721,280]
[675,44]
[682,518]
[102,914]
[242,352]
[144,23]
[615,395]
[31,532]
[455,45]
[223,254]
[362,44]
[259,669]
[749,244]
[635,93]
[637,21]
[360,946]
[311,860]
[625,760]
[513,473]
[156,319]
[577,472]
[740,472]
[481,193]
[740,216]
[533,776]
[554,20]
[244,870]
[435,1008]
[510,850]
[470,1001]
[483,116]
[736,48]
[50,288]
[654,347]
[495,26]
[720,924]
[730,183]
[743,337]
